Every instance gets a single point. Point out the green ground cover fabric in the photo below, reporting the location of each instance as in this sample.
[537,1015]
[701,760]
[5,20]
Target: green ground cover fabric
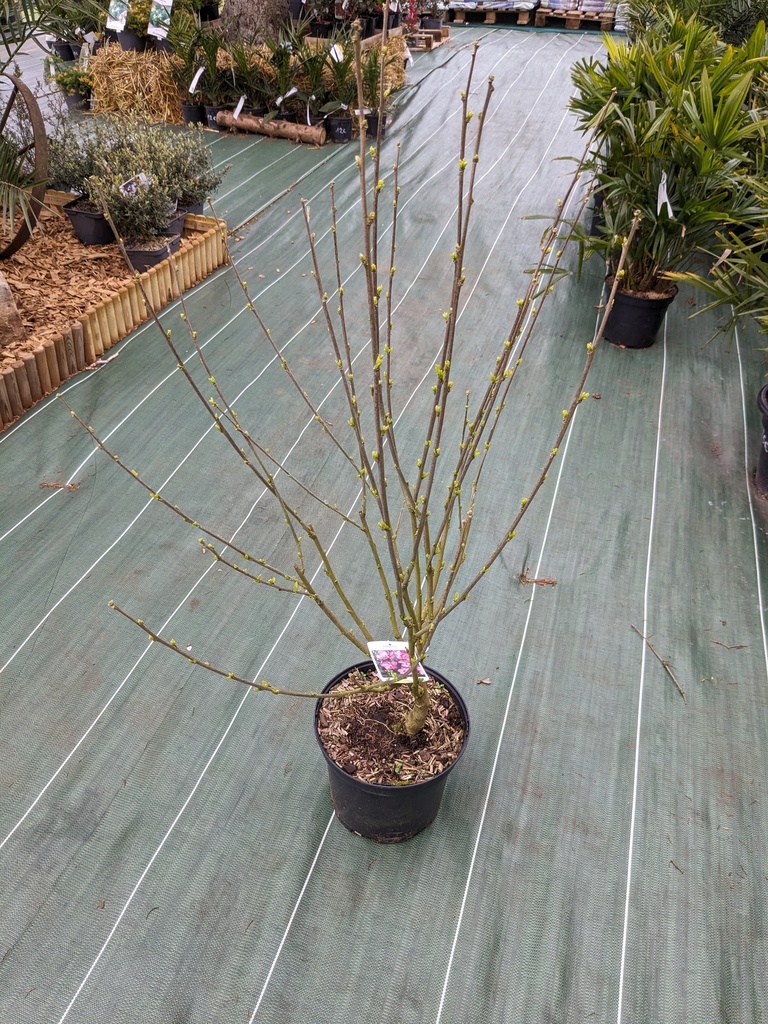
[167,845]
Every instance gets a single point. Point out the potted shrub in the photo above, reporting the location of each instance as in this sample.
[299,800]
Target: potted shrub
[75,151]
[184,164]
[411,525]
[134,35]
[74,79]
[70,22]
[431,14]
[139,210]
[320,14]
[163,171]
[674,147]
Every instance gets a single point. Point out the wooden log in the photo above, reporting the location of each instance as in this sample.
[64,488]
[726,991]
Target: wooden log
[22,383]
[14,399]
[98,340]
[137,303]
[42,369]
[88,344]
[187,268]
[69,352]
[100,315]
[154,289]
[125,301]
[142,285]
[33,377]
[53,363]
[198,264]
[211,247]
[173,270]
[78,340]
[6,413]
[110,316]
[312,134]
[61,356]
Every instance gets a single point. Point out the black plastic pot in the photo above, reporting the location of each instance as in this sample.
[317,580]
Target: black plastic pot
[372,131]
[132,41]
[761,475]
[77,100]
[634,320]
[340,128]
[209,12]
[210,117]
[63,49]
[142,258]
[90,226]
[193,113]
[387,814]
[176,224]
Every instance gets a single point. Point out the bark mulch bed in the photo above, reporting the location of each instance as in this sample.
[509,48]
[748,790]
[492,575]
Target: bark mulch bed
[54,279]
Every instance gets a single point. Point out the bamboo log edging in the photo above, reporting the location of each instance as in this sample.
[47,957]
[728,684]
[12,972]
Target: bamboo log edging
[80,345]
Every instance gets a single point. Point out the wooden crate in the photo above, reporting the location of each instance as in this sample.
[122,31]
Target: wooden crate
[548,18]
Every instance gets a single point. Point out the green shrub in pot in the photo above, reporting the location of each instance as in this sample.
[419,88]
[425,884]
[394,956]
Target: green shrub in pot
[675,143]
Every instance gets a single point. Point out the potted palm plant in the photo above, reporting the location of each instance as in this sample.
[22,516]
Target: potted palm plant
[672,154]
[343,91]
[184,37]
[215,82]
[249,83]
[375,62]
[311,78]
[412,523]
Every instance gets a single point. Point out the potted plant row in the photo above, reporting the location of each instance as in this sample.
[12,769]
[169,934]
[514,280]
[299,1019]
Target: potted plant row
[145,175]
[672,158]
[412,526]
[291,77]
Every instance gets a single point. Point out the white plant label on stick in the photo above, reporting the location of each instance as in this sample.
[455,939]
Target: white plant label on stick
[239,108]
[336,53]
[193,84]
[662,199]
[392,661]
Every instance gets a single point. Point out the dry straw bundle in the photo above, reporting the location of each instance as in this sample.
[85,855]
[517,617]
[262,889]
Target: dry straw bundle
[127,82]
